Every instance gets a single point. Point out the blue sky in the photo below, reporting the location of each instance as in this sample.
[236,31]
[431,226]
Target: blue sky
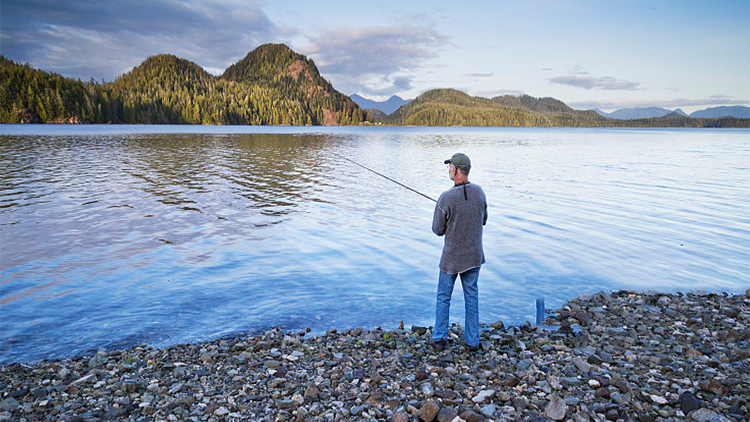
[605,54]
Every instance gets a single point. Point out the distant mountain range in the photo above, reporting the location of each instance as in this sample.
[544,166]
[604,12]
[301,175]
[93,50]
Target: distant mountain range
[739,112]
[273,85]
[388,106]
[724,111]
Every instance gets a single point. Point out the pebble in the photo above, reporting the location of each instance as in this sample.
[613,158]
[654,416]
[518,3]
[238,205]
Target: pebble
[629,357]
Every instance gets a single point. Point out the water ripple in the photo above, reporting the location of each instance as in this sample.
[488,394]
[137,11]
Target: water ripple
[114,239]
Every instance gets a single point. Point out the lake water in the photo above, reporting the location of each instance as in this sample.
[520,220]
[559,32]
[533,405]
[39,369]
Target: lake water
[113,236]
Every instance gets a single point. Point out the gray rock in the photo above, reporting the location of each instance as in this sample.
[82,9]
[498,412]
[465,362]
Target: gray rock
[582,365]
[707,415]
[489,410]
[9,404]
[556,408]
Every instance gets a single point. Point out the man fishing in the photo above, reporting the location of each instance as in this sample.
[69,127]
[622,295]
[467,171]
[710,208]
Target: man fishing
[460,215]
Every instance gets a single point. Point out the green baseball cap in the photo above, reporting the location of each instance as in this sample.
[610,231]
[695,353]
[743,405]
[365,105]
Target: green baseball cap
[460,160]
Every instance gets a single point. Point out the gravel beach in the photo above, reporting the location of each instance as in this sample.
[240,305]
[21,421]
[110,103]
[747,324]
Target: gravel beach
[618,356]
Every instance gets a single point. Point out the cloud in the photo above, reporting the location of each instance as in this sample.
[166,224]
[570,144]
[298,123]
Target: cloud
[101,39]
[480,75]
[589,82]
[373,59]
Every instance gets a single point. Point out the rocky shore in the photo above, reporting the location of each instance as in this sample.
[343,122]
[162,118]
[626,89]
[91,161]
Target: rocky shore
[620,356]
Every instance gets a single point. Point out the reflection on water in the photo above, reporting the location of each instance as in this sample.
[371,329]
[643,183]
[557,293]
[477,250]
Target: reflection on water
[109,240]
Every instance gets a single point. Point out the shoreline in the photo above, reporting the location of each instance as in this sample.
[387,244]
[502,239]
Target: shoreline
[637,356]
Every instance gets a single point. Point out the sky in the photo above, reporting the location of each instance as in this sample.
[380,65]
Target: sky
[589,54]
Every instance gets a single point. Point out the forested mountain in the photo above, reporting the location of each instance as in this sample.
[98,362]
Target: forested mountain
[448,107]
[555,111]
[272,85]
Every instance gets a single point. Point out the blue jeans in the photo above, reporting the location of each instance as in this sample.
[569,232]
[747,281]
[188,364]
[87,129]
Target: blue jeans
[471,299]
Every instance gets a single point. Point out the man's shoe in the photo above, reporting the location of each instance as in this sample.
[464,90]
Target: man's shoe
[472,348]
[438,344]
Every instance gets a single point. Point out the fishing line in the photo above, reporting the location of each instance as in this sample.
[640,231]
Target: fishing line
[384,176]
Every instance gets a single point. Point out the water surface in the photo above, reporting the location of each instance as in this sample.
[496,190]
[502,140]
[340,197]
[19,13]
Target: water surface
[112,236]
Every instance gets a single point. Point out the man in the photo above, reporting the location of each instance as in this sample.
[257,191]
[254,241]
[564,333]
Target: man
[460,214]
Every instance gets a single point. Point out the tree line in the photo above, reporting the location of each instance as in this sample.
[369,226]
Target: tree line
[450,107]
[271,86]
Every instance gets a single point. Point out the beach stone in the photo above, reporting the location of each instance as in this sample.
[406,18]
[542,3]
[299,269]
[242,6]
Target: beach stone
[83,380]
[97,360]
[523,364]
[429,411]
[9,404]
[658,399]
[489,410]
[471,416]
[446,395]
[707,415]
[688,402]
[556,408]
[447,414]
[400,417]
[148,410]
[713,386]
[421,375]
[311,392]
[623,385]
[483,395]
[683,354]
[582,365]
[427,389]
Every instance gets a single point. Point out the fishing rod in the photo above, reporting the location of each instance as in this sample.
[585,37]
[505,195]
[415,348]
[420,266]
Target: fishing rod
[384,176]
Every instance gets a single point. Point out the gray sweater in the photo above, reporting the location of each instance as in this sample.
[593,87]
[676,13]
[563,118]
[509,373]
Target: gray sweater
[461,219]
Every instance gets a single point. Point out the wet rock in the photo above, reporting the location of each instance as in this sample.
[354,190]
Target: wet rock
[97,360]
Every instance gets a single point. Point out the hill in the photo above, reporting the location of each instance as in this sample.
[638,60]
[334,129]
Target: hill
[388,106]
[741,112]
[450,107]
[555,111]
[272,85]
